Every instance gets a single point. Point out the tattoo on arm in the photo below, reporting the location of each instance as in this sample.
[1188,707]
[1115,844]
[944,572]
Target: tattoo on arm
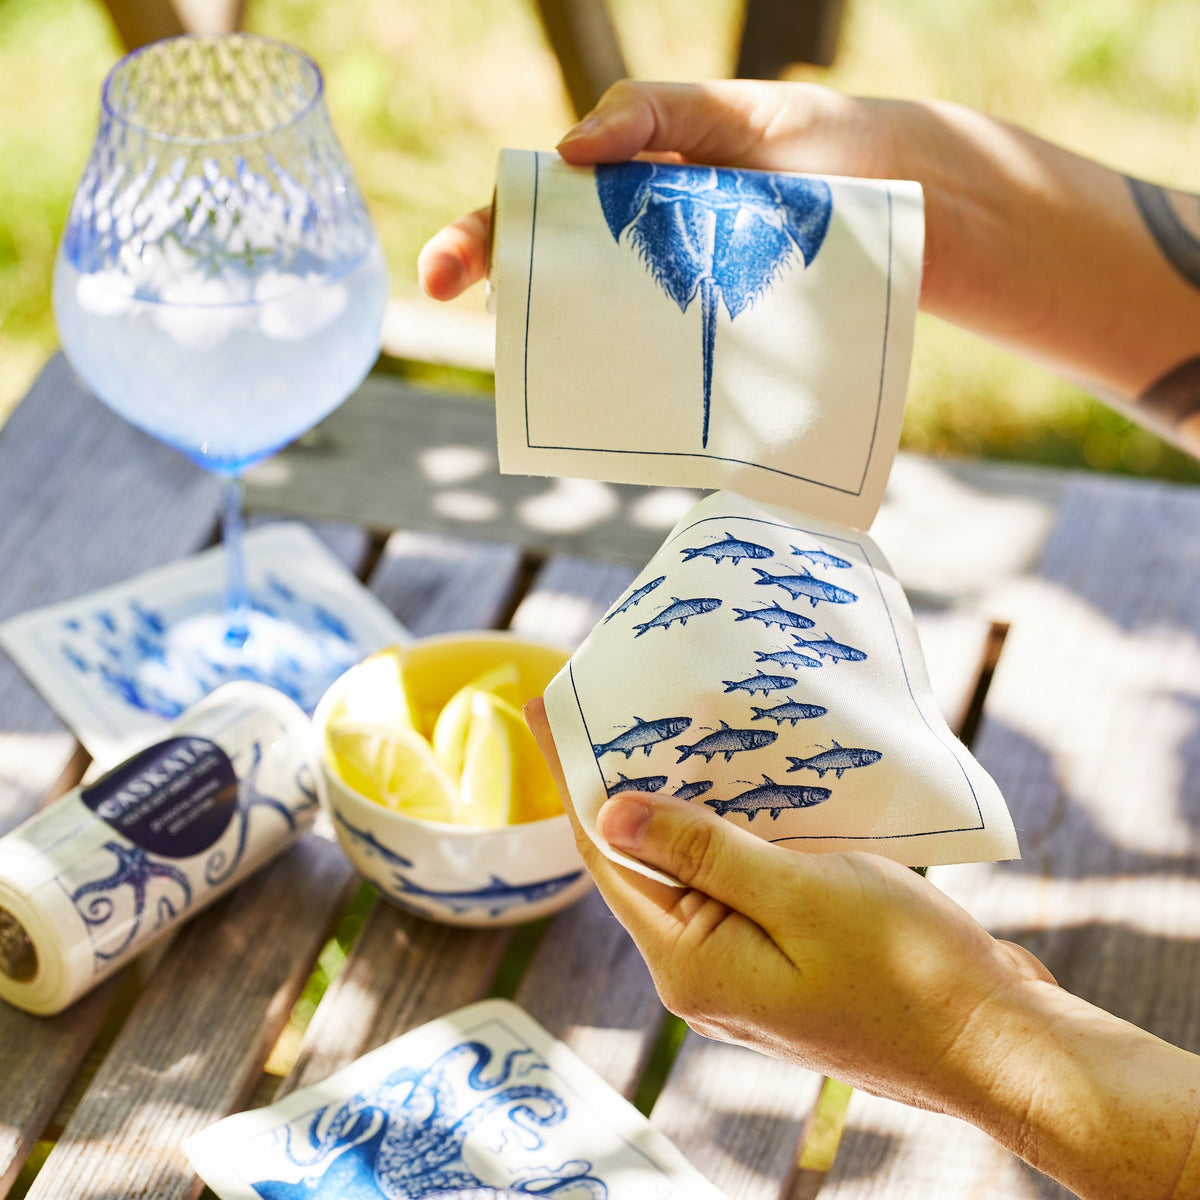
[1173,399]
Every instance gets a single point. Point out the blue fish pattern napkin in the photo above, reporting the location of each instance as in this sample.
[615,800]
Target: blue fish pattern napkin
[705,327]
[765,664]
[482,1104]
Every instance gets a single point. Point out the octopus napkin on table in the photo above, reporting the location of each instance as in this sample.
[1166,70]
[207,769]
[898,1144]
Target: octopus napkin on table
[766,664]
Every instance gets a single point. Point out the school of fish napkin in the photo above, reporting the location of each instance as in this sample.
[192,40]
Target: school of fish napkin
[766,664]
[480,1103]
[705,327]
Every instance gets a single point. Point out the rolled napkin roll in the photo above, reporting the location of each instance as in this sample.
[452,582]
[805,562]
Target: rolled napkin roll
[88,882]
[766,664]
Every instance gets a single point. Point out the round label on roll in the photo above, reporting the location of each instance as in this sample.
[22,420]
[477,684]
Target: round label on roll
[175,798]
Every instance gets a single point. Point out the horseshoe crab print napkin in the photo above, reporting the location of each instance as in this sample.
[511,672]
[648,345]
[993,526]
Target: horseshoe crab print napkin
[766,664]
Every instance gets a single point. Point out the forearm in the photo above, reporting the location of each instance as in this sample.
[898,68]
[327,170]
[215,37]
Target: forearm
[1094,1102]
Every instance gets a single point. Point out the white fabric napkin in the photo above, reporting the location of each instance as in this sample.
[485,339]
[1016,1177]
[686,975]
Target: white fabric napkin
[765,663]
[705,327]
[482,1102]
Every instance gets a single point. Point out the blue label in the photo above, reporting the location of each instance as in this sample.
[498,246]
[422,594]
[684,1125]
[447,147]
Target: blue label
[175,798]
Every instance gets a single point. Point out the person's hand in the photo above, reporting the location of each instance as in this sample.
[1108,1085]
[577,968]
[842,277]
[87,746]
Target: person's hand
[770,126]
[846,963]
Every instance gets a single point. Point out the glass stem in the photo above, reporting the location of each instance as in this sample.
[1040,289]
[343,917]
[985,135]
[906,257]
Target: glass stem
[237,597]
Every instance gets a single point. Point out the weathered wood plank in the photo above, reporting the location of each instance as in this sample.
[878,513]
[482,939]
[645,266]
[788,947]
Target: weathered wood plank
[393,456]
[585,42]
[1092,730]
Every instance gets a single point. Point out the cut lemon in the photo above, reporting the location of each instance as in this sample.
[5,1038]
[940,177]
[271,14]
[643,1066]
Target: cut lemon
[381,695]
[395,767]
[450,728]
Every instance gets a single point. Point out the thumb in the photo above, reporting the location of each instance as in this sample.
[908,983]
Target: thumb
[698,848]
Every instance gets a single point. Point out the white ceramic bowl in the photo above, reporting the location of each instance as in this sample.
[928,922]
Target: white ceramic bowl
[452,874]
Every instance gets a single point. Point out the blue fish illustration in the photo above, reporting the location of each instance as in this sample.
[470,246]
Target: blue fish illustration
[791,711]
[723,234]
[771,796]
[759,683]
[821,558]
[495,896]
[773,614]
[787,658]
[805,584]
[634,597]
[727,741]
[838,760]
[689,791]
[679,611]
[643,734]
[728,547]
[826,647]
[645,783]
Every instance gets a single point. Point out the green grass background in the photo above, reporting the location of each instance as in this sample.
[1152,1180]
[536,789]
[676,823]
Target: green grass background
[424,92]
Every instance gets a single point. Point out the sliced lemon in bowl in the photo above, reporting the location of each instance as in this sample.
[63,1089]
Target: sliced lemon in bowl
[396,767]
[450,730]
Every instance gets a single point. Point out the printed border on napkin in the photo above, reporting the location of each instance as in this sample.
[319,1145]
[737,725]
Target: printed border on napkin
[766,664]
[705,327]
[483,1102]
[120,664]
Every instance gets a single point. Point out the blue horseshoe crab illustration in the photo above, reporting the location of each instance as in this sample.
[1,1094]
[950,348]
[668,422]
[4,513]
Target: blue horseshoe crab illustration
[821,558]
[826,647]
[689,791]
[643,735]
[805,583]
[771,797]
[135,869]
[644,783]
[679,610]
[725,235]
[774,614]
[759,683]
[786,658]
[838,759]
[404,1138]
[728,742]
[634,597]
[728,547]
[792,711]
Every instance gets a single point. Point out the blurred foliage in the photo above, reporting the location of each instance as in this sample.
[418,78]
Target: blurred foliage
[425,92]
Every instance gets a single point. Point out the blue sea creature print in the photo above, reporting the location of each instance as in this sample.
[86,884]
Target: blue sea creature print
[774,614]
[805,584]
[792,711]
[642,735]
[727,741]
[771,797]
[135,869]
[495,897]
[826,647]
[679,610]
[838,759]
[730,548]
[821,558]
[406,1138]
[760,683]
[786,658]
[689,791]
[372,843]
[723,235]
[634,597]
[644,783]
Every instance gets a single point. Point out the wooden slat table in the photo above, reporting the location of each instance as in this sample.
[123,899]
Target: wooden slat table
[1091,725]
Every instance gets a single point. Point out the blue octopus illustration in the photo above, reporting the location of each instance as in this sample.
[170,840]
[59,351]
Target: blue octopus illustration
[403,1140]
[724,234]
[135,869]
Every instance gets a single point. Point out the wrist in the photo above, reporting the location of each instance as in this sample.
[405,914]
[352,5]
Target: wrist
[1094,1102]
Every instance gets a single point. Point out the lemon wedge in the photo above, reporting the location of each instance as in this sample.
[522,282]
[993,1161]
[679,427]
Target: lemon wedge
[395,767]
[381,695]
[450,729]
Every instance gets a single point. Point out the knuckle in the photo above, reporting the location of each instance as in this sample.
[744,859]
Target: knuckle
[692,851]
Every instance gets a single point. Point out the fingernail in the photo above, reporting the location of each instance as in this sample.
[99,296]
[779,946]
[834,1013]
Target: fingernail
[585,128]
[623,822]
